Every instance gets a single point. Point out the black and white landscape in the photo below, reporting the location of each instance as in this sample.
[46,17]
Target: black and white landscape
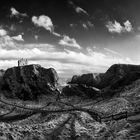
[70,70]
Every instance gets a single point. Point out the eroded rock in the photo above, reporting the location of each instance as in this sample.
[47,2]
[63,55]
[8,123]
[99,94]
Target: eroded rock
[28,82]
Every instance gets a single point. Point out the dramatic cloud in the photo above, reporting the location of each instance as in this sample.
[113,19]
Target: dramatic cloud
[116,27]
[45,22]
[65,62]
[70,42]
[16,13]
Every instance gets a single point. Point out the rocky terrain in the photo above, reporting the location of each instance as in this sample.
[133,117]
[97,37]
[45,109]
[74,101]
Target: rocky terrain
[90,107]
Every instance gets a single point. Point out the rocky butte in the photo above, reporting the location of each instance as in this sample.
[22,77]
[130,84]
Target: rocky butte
[28,82]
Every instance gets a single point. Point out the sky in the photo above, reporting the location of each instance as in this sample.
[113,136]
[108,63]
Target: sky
[72,36]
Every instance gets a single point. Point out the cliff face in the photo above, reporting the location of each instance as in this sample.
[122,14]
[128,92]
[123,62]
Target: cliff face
[28,82]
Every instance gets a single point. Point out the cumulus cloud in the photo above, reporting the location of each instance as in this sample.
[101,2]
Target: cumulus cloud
[85,26]
[8,42]
[2,32]
[70,42]
[45,22]
[16,13]
[128,26]
[116,27]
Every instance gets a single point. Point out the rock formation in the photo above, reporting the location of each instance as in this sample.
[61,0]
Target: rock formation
[114,74]
[29,82]
[119,72]
[91,79]
[80,91]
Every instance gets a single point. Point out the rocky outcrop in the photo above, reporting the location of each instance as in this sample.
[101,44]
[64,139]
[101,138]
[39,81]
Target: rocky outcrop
[120,72]
[113,76]
[80,91]
[28,82]
[91,79]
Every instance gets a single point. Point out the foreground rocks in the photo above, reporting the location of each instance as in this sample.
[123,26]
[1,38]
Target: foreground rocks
[29,82]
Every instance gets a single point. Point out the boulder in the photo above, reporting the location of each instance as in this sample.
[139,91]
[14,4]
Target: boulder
[28,82]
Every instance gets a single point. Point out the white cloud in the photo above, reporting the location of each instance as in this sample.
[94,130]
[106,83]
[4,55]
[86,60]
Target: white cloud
[18,38]
[16,13]
[8,42]
[70,42]
[80,10]
[90,24]
[2,32]
[87,25]
[84,26]
[66,62]
[56,34]
[45,22]
[128,26]
[116,27]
